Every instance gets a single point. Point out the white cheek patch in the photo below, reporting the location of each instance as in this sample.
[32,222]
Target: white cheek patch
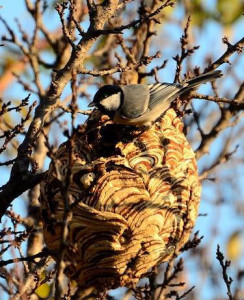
[112,102]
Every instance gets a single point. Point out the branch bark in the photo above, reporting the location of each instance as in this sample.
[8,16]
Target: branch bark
[101,13]
[237,47]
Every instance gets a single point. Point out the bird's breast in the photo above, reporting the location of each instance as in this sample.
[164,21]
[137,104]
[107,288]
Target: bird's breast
[140,121]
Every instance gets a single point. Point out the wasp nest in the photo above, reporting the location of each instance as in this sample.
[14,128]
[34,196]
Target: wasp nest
[133,199]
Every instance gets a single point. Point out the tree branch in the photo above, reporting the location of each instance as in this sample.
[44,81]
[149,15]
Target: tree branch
[237,47]
[225,265]
[11,190]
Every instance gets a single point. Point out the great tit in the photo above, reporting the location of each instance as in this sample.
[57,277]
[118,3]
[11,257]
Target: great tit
[142,104]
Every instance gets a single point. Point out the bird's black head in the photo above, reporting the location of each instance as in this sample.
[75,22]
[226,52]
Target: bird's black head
[108,98]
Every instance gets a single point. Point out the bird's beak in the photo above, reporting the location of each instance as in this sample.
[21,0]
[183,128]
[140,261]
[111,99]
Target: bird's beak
[92,104]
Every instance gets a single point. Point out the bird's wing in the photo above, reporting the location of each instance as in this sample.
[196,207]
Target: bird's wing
[162,94]
[136,100]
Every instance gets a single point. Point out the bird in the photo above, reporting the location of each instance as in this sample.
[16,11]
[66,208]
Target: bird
[142,104]
[132,203]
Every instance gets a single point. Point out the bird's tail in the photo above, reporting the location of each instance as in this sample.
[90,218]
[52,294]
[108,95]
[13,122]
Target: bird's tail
[206,77]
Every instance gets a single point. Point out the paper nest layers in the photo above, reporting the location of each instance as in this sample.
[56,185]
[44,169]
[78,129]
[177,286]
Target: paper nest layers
[133,202]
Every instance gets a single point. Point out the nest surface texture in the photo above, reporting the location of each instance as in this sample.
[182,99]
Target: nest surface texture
[132,199]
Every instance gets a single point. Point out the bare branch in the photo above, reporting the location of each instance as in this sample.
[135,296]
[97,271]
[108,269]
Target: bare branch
[215,99]
[145,61]
[68,110]
[42,254]
[184,51]
[49,102]
[119,30]
[237,47]
[225,265]
[61,9]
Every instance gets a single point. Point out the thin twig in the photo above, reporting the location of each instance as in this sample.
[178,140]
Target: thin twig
[225,265]
[237,47]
